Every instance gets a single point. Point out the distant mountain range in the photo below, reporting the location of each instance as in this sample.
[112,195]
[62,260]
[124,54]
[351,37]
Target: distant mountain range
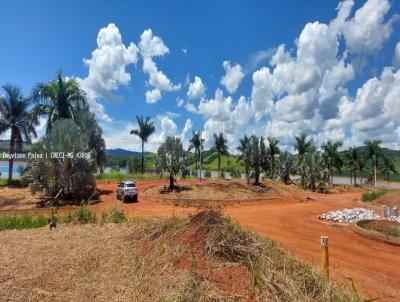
[123,153]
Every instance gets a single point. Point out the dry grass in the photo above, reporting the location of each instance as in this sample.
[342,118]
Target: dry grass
[204,258]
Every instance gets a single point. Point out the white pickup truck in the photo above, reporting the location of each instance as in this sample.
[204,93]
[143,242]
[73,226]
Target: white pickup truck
[127,190]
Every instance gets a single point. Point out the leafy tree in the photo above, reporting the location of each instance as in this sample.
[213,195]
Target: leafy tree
[361,163]
[388,168]
[332,157]
[88,123]
[256,158]
[314,172]
[285,166]
[172,158]
[146,128]
[374,153]
[244,155]
[220,146]
[17,117]
[133,165]
[69,177]
[196,143]
[59,99]
[352,159]
[302,146]
[273,151]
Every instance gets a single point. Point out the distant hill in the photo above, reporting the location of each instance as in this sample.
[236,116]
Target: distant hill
[123,153]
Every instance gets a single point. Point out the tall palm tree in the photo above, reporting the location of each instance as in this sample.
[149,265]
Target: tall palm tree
[244,155]
[196,142]
[221,148]
[387,168]
[332,157]
[146,128]
[302,146]
[59,99]
[374,153]
[352,160]
[273,150]
[16,116]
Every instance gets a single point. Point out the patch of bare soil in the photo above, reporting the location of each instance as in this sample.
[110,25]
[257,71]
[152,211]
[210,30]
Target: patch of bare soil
[218,191]
[344,189]
[14,198]
[391,198]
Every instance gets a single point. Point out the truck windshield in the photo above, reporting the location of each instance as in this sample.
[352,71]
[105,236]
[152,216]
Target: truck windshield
[130,185]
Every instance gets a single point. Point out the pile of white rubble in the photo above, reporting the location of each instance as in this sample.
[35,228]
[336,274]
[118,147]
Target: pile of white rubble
[350,215]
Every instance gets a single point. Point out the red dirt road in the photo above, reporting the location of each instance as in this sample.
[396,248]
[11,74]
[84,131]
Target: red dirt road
[372,265]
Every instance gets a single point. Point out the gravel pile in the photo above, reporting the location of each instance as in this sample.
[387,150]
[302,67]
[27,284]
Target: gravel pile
[349,215]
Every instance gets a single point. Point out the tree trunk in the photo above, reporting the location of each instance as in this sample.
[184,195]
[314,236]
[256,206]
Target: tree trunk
[331,171]
[355,178]
[374,175]
[219,164]
[351,178]
[142,156]
[171,182]
[11,158]
[197,157]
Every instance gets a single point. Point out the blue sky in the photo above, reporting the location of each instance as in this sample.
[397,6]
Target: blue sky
[336,77]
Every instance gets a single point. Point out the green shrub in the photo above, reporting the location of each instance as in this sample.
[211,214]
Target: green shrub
[85,215]
[113,216]
[370,196]
[22,222]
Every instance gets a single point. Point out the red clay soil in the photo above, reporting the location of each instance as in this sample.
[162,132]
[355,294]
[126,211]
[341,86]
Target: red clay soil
[293,222]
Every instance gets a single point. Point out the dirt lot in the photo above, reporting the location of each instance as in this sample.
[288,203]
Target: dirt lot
[292,221]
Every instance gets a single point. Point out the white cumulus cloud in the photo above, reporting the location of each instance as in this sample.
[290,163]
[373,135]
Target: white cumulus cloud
[233,76]
[196,89]
[107,68]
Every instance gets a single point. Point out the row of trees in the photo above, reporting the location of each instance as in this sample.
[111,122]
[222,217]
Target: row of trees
[70,129]
[315,168]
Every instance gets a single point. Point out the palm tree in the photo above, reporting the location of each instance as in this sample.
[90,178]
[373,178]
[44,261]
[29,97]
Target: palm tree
[302,146]
[16,116]
[146,128]
[273,150]
[361,163]
[196,142]
[59,99]
[352,160]
[220,147]
[285,166]
[387,168]
[332,157]
[374,152]
[244,150]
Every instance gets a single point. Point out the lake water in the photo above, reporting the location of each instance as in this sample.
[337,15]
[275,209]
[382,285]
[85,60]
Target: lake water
[4,169]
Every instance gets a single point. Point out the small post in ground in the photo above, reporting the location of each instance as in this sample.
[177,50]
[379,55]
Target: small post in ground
[325,256]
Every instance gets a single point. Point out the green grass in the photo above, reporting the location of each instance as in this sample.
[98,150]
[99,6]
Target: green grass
[22,222]
[210,162]
[113,216]
[3,182]
[370,196]
[122,176]
[82,215]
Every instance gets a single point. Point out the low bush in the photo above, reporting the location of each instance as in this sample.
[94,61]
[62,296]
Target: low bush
[85,215]
[114,215]
[370,196]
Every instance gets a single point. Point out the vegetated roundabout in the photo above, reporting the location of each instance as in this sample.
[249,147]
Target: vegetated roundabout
[380,230]
[214,192]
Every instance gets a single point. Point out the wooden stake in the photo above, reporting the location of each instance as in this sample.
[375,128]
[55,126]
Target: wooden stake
[325,256]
